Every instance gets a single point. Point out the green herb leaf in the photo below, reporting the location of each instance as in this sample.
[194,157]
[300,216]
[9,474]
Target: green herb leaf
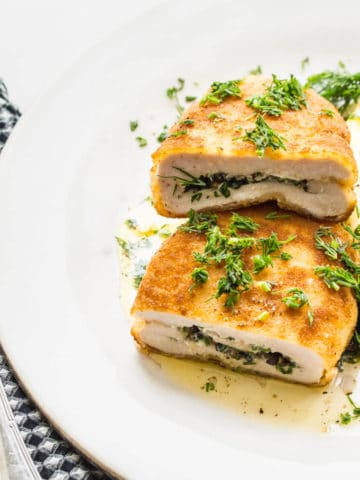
[133,125]
[239,222]
[304,63]
[263,136]
[187,122]
[199,277]
[296,298]
[199,222]
[179,133]
[137,280]
[285,256]
[123,244]
[329,113]
[261,262]
[340,87]
[219,91]
[163,134]
[142,142]
[256,71]
[172,94]
[279,96]
[216,115]
[190,98]
[209,387]
[131,223]
[276,216]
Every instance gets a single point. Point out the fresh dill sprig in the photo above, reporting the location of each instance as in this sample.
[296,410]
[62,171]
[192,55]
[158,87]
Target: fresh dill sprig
[219,91]
[296,298]
[336,277]
[199,276]
[163,134]
[172,94]
[238,222]
[280,95]
[268,245]
[347,417]
[142,142]
[199,222]
[236,281]
[277,216]
[304,63]
[256,71]
[123,244]
[133,125]
[263,136]
[340,87]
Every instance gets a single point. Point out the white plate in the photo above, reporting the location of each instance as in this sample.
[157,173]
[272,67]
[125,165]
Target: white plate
[67,176]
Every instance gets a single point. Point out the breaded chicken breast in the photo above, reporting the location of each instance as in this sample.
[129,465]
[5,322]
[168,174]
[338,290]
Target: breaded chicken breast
[209,162]
[261,332]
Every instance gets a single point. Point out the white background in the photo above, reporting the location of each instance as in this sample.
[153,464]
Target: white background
[39,39]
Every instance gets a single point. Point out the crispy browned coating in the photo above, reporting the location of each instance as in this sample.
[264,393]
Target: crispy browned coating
[309,134]
[165,288]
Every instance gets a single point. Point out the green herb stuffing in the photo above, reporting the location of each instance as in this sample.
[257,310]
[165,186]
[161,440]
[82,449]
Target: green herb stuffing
[263,136]
[219,91]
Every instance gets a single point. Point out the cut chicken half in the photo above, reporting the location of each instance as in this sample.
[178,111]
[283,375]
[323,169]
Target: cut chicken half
[207,164]
[260,333]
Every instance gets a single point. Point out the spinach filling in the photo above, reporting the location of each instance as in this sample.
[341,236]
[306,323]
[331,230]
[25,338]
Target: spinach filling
[222,183]
[282,363]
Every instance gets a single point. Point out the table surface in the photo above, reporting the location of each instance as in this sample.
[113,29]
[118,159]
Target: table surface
[40,39]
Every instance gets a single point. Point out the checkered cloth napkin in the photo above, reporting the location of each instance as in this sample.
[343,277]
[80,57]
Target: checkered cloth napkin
[53,457]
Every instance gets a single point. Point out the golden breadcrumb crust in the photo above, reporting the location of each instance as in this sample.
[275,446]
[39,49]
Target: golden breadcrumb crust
[309,132]
[165,288]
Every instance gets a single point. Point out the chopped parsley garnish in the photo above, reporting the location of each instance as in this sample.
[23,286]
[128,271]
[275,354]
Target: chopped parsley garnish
[304,63]
[263,136]
[123,244]
[340,87]
[238,222]
[280,95]
[179,133]
[347,417]
[261,262]
[277,216]
[199,276]
[219,91]
[172,94]
[236,281]
[190,98]
[256,71]
[142,142]
[133,125]
[163,134]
